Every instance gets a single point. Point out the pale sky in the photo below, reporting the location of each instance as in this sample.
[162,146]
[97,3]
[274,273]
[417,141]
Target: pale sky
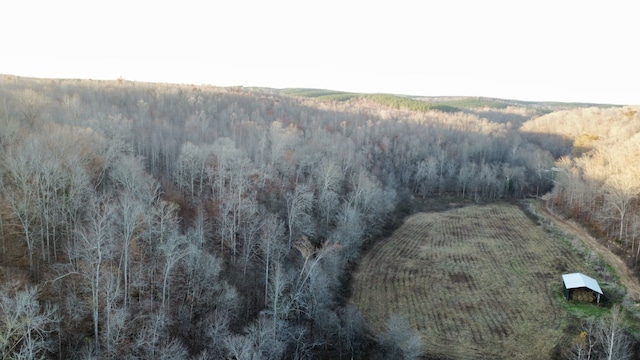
[562,50]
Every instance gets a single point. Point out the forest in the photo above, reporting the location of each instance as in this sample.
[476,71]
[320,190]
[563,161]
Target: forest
[166,221]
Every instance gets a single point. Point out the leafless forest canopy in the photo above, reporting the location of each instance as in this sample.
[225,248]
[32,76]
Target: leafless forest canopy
[173,221]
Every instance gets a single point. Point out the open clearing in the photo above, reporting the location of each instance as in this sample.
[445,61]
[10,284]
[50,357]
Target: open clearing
[476,282]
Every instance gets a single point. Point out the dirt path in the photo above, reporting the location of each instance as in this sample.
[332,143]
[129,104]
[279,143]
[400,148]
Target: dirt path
[627,279]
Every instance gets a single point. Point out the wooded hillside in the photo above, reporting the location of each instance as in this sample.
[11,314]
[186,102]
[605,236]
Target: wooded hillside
[598,175]
[176,221]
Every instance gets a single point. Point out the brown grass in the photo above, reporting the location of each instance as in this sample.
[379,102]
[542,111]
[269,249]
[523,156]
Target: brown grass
[477,282]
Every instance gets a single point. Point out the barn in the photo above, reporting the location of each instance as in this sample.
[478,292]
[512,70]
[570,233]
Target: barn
[578,286]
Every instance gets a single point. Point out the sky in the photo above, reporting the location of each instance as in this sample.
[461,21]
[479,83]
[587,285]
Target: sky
[578,51]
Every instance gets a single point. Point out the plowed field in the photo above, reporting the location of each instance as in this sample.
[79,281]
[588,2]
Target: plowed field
[478,282]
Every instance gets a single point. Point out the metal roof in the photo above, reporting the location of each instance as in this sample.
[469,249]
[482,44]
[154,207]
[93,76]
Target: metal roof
[579,280]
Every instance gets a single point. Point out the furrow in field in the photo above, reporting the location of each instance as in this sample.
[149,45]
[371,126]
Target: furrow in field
[475,281]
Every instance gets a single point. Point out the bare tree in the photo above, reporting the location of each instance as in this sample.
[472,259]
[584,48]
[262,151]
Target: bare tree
[111,147]
[191,168]
[129,176]
[513,176]
[328,176]
[250,232]
[370,199]
[152,336]
[25,327]
[619,192]
[489,185]
[400,340]
[616,343]
[232,186]
[163,221]
[205,292]
[2,229]
[31,104]
[585,345]
[466,173]
[174,249]
[129,213]
[95,246]
[271,247]
[309,275]
[299,206]
[217,331]
[349,232]
[328,204]
[235,216]
[603,338]
[285,140]
[51,185]
[115,315]
[227,159]
[47,187]
[328,179]
[173,350]
[155,225]
[352,332]
[263,346]
[73,106]
[635,234]
[8,130]
[21,194]
[240,347]
[426,174]
[76,200]
[279,300]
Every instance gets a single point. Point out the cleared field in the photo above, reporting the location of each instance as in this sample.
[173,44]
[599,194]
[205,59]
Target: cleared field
[477,282]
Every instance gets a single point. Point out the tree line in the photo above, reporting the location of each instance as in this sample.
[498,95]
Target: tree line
[176,221]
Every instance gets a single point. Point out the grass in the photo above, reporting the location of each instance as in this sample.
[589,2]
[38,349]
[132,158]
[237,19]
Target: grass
[586,311]
[476,282]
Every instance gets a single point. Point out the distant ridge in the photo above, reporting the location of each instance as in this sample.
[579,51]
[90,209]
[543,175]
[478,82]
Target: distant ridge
[438,103]
[399,101]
